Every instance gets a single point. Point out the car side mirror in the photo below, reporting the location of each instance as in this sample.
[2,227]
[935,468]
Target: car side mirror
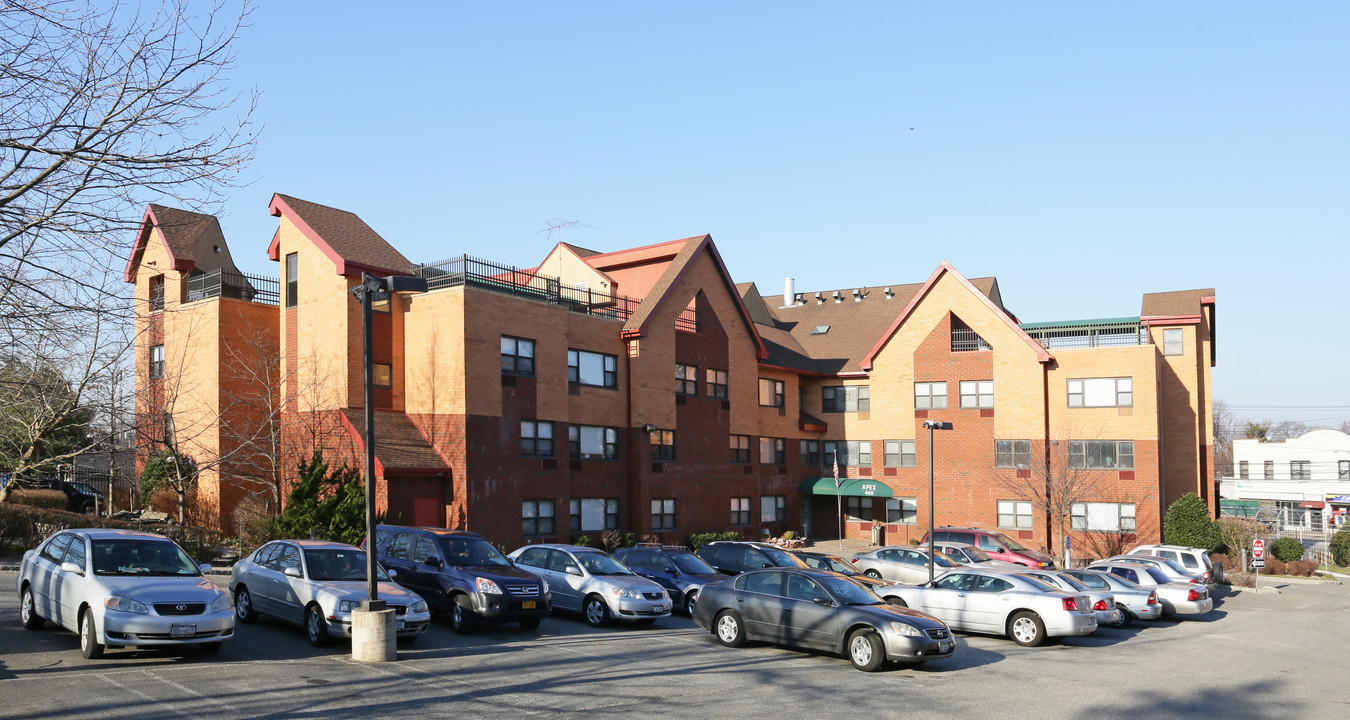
[572,570]
[767,565]
[823,601]
[669,571]
[72,568]
[391,572]
[204,568]
[291,572]
[433,562]
[1000,549]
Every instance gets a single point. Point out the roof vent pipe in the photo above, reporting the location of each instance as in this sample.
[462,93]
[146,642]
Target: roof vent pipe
[789,292]
[889,294]
[837,298]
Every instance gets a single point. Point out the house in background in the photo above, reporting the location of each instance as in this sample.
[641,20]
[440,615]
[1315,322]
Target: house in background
[645,390]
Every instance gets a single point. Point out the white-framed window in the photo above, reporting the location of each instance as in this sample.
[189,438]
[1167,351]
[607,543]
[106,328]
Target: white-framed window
[902,510]
[1102,517]
[156,362]
[977,394]
[1269,470]
[858,508]
[663,445]
[1172,341]
[517,356]
[537,517]
[590,514]
[717,384]
[740,449]
[1101,392]
[536,438]
[593,443]
[1014,514]
[292,279]
[1342,470]
[772,451]
[686,379]
[770,393]
[1243,471]
[1012,454]
[845,398]
[591,368]
[930,396]
[1101,454]
[663,514]
[1300,470]
[898,453]
[856,453]
[740,511]
[773,508]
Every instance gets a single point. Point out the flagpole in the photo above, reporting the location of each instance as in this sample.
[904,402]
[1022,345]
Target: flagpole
[838,499]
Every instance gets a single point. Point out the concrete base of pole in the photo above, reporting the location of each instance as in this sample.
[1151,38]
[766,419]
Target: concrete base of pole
[374,636]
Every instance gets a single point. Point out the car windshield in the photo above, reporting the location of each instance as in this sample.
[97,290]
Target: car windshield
[1039,584]
[471,552]
[1074,583]
[598,563]
[1011,544]
[691,564]
[849,592]
[338,564]
[1178,568]
[141,557]
[942,560]
[1116,580]
[977,555]
[780,558]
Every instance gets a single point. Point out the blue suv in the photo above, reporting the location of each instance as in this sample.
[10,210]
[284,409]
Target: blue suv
[682,573]
[463,574]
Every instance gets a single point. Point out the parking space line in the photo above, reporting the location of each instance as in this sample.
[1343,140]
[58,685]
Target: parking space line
[136,692]
[185,689]
[523,705]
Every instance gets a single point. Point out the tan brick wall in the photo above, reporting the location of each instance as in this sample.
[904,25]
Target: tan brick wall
[328,334]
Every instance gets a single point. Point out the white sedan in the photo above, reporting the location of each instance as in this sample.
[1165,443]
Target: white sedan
[1000,603]
[120,588]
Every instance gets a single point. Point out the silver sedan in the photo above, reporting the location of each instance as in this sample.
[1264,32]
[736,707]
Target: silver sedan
[318,584]
[1177,598]
[1137,603]
[902,564]
[590,582]
[121,588]
[1103,601]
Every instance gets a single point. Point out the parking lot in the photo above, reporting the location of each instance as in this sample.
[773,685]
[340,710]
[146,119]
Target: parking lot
[1254,656]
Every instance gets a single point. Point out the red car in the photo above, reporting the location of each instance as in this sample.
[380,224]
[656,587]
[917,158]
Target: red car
[996,544]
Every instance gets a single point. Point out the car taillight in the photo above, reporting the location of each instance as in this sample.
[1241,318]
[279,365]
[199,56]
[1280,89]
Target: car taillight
[1153,598]
[1195,580]
[1070,604]
[1192,595]
[1101,605]
[855,560]
[1205,576]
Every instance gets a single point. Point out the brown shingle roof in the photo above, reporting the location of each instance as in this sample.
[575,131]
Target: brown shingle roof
[854,327]
[581,251]
[181,229]
[354,242]
[398,442]
[1171,304]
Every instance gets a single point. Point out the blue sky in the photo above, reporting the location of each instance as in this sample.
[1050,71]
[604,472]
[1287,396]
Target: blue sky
[1083,153]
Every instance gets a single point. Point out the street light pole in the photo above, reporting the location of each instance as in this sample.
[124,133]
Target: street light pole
[932,509]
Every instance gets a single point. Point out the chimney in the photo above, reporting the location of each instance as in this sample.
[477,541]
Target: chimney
[789,292]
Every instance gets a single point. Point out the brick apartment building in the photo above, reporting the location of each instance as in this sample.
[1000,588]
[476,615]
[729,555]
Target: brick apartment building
[644,390]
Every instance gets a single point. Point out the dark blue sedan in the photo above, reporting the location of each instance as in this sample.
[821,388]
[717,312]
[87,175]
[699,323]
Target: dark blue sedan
[682,573]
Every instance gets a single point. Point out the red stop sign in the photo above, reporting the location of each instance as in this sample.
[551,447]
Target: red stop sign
[1258,548]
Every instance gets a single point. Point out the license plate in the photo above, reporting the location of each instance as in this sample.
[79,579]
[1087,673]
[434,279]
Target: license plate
[400,626]
[527,605]
[180,630]
[660,608]
[944,647]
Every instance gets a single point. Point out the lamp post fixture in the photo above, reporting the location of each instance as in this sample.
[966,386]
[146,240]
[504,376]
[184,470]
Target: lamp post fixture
[370,290]
[932,509]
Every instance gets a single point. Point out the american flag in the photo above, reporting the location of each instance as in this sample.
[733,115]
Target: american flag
[836,472]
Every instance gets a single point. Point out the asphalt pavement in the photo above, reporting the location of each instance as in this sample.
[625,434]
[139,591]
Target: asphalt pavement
[1254,656]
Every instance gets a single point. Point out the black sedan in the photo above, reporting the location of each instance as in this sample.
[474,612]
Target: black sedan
[821,610]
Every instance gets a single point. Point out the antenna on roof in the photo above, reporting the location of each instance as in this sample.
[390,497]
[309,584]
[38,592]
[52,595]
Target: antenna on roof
[557,225]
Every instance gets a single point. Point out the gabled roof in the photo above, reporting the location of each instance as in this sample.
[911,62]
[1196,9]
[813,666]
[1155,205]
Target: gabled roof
[1042,354]
[1179,303]
[636,256]
[581,252]
[177,229]
[343,237]
[399,444]
[636,326]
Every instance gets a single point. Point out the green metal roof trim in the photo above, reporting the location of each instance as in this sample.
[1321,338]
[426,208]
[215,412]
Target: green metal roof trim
[1080,323]
[848,487]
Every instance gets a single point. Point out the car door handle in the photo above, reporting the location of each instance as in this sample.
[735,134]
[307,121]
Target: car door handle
[740,600]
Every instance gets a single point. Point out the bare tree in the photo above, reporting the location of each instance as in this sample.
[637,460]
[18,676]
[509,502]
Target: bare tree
[1225,431]
[1054,479]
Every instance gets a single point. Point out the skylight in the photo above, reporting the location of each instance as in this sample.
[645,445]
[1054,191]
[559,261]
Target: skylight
[821,330]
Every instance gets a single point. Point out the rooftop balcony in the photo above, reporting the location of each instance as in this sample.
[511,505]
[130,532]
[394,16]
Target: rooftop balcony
[1106,332]
[239,286]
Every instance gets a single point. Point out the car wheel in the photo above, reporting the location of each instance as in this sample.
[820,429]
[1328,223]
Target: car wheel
[1026,629]
[1125,617]
[728,629]
[529,625]
[89,645]
[243,605]
[316,627]
[596,611]
[28,611]
[461,618]
[865,650]
[873,574]
[210,647]
[690,600]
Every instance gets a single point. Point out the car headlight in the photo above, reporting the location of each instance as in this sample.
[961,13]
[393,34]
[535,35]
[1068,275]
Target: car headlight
[545,584]
[486,586]
[906,629]
[346,606]
[420,606]
[125,604]
[626,593]
[221,603]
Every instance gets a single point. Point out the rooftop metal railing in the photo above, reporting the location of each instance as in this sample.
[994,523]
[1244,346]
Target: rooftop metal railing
[240,286]
[1114,332]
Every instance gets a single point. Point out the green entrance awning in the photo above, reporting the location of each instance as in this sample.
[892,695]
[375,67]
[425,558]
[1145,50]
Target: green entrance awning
[848,487]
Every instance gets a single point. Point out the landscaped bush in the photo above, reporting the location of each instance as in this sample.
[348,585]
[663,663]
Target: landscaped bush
[614,539]
[1287,549]
[698,540]
[1188,523]
[23,527]
[1301,568]
[48,499]
[1274,566]
[1340,548]
[581,540]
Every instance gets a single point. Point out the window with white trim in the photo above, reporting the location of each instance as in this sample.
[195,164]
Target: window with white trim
[740,449]
[156,362]
[663,514]
[537,517]
[536,438]
[1270,470]
[517,356]
[1300,470]
[1172,341]
[898,453]
[977,394]
[773,508]
[902,510]
[1101,454]
[1243,471]
[663,445]
[845,398]
[686,379]
[1012,454]
[591,514]
[591,368]
[772,451]
[1014,514]
[1342,470]
[740,511]
[770,393]
[930,396]
[717,384]
[858,508]
[1101,392]
[588,442]
[1103,517]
